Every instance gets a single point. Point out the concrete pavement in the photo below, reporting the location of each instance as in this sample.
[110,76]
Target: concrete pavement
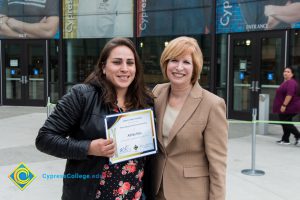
[281,164]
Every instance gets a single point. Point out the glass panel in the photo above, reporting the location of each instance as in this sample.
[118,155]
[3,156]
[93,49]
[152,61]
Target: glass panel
[295,53]
[35,72]
[295,48]
[150,49]
[242,72]
[13,71]
[53,72]
[205,45]
[82,56]
[271,69]
[221,71]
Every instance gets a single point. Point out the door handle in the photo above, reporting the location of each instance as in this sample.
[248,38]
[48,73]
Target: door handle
[257,86]
[21,79]
[252,87]
[25,80]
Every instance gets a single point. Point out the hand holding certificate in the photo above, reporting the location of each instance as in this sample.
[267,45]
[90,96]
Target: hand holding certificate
[134,134]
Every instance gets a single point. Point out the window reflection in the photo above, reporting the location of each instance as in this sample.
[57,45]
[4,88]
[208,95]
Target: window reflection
[221,69]
[295,48]
[53,75]
[81,58]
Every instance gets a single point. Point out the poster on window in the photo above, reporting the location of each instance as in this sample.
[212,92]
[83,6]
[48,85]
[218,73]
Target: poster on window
[97,18]
[29,19]
[173,17]
[245,15]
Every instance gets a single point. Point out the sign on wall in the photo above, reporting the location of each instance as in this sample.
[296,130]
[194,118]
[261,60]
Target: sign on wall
[245,15]
[29,18]
[173,17]
[97,18]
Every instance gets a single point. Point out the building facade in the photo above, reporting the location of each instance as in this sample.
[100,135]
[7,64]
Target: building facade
[246,44]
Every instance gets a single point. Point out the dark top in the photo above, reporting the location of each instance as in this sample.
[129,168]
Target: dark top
[30,11]
[121,180]
[288,87]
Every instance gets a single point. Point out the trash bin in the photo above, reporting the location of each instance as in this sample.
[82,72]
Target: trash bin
[263,113]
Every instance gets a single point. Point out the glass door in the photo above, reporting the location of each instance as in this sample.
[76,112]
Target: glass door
[24,73]
[256,65]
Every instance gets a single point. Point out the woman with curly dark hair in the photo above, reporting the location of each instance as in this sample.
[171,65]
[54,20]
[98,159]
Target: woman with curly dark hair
[76,128]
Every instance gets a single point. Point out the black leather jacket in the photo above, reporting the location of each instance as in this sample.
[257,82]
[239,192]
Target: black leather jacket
[67,133]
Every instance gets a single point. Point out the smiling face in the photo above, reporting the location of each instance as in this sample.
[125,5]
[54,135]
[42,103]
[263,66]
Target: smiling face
[120,68]
[180,70]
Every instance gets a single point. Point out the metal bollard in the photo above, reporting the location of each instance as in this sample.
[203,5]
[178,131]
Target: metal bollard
[48,106]
[264,101]
[253,171]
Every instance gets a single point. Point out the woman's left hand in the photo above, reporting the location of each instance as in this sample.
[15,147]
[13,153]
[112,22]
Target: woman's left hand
[282,108]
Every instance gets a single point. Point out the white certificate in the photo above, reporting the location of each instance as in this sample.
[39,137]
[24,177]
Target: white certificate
[134,134]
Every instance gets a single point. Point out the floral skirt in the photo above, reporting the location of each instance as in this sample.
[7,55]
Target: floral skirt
[121,181]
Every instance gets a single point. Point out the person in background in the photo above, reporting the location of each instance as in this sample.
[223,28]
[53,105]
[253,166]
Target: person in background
[24,19]
[287,104]
[76,130]
[192,129]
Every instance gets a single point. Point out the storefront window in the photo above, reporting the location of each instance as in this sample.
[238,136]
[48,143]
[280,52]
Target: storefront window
[150,49]
[205,45]
[295,53]
[295,48]
[81,58]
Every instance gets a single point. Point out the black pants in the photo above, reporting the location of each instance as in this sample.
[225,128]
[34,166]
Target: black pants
[288,128]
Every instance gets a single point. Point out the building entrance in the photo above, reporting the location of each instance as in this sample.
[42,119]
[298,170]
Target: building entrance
[256,63]
[24,72]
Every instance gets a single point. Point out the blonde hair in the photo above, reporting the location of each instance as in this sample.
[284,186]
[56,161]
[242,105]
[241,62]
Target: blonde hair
[179,47]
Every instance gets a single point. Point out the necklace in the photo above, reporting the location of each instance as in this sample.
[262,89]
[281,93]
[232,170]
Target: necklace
[121,108]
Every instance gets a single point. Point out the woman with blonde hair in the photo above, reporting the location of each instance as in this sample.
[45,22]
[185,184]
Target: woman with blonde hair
[192,129]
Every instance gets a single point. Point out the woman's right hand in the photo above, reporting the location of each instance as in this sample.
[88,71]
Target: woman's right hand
[102,147]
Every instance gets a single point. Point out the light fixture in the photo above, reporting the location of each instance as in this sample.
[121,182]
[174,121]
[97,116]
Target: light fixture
[166,43]
[248,42]
[141,44]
